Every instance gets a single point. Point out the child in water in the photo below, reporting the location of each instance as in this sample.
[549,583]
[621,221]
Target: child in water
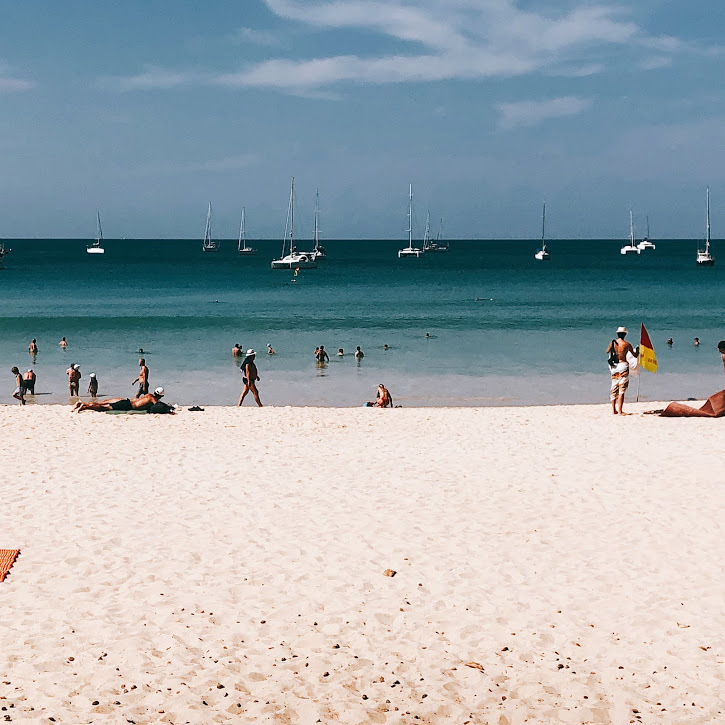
[93,385]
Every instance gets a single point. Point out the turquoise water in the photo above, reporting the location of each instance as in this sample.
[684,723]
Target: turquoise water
[505,329]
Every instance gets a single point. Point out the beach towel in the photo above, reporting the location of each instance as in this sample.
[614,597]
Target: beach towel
[7,558]
[714,407]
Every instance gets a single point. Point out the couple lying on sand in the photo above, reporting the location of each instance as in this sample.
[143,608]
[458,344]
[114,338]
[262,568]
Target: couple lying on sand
[150,402]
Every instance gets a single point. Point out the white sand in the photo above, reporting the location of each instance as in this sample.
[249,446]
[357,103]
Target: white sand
[227,566]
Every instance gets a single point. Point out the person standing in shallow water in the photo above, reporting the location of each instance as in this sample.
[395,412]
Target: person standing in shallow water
[33,347]
[18,394]
[142,379]
[251,375]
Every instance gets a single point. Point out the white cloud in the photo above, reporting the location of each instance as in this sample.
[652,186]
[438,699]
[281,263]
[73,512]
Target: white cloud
[655,63]
[154,77]
[435,40]
[9,82]
[244,36]
[532,113]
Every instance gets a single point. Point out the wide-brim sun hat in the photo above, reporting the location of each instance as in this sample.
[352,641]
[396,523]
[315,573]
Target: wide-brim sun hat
[92,375]
[622,329]
[251,352]
[159,391]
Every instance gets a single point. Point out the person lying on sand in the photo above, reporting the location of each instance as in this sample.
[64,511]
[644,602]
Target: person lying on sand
[143,402]
[383,398]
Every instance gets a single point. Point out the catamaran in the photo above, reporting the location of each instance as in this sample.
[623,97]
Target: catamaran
[242,247]
[704,258]
[630,248]
[543,253]
[97,246]
[410,250]
[645,243]
[209,245]
[318,251]
[293,259]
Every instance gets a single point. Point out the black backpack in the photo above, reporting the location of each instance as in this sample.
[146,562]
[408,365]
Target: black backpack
[613,359]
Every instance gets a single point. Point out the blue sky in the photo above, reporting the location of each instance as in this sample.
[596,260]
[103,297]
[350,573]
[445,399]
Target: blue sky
[148,110]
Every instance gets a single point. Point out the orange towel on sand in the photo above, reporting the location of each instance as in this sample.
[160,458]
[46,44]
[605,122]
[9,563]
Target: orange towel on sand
[7,558]
[714,407]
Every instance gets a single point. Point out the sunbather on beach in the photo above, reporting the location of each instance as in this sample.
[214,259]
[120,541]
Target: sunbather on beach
[143,402]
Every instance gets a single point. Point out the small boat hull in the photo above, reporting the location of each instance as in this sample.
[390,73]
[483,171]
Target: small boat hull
[705,259]
[95,250]
[542,255]
[630,249]
[296,261]
[248,252]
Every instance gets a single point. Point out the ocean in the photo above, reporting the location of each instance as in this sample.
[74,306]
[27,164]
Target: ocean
[504,328]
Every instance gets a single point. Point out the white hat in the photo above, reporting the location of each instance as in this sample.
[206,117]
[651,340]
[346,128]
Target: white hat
[251,352]
[77,366]
[92,375]
[159,391]
[622,329]
[30,370]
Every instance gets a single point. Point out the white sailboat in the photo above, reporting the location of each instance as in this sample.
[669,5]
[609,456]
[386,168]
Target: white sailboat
[209,245]
[704,257]
[410,250]
[437,245]
[293,259]
[543,254]
[645,243]
[630,248]
[318,251]
[242,247]
[97,246]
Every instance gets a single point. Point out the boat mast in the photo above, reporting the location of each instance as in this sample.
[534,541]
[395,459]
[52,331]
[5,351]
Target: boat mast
[631,229]
[543,227]
[99,231]
[207,231]
[242,238]
[707,239]
[648,227]
[426,236]
[317,216]
[292,218]
[410,217]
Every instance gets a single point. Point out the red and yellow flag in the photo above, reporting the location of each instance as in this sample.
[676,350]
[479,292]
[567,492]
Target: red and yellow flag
[647,357]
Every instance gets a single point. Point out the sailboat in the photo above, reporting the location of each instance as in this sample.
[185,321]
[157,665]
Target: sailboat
[209,245]
[437,245]
[704,258]
[410,250]
[645,243]
[318,251]
[242,247]
[630,248]
[293,259]
[543,253]
[97,246]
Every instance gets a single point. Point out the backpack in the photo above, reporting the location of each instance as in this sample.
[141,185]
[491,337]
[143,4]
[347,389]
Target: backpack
[613,358]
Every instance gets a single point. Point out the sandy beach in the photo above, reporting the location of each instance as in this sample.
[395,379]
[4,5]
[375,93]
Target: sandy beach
[553,564]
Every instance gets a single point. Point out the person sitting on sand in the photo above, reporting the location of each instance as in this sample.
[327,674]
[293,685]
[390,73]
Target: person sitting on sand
[18,394]
[29,382]
[93,385]
[721,350]
[383,398]
[143,402]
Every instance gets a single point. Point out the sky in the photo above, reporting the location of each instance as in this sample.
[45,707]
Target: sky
[147,110]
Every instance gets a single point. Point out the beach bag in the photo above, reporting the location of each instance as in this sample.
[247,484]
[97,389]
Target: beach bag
[613,358]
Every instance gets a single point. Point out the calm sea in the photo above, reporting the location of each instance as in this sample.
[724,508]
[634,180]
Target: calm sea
[504,328]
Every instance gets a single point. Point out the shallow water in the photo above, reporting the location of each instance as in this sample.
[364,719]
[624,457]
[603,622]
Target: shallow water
[504,328]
